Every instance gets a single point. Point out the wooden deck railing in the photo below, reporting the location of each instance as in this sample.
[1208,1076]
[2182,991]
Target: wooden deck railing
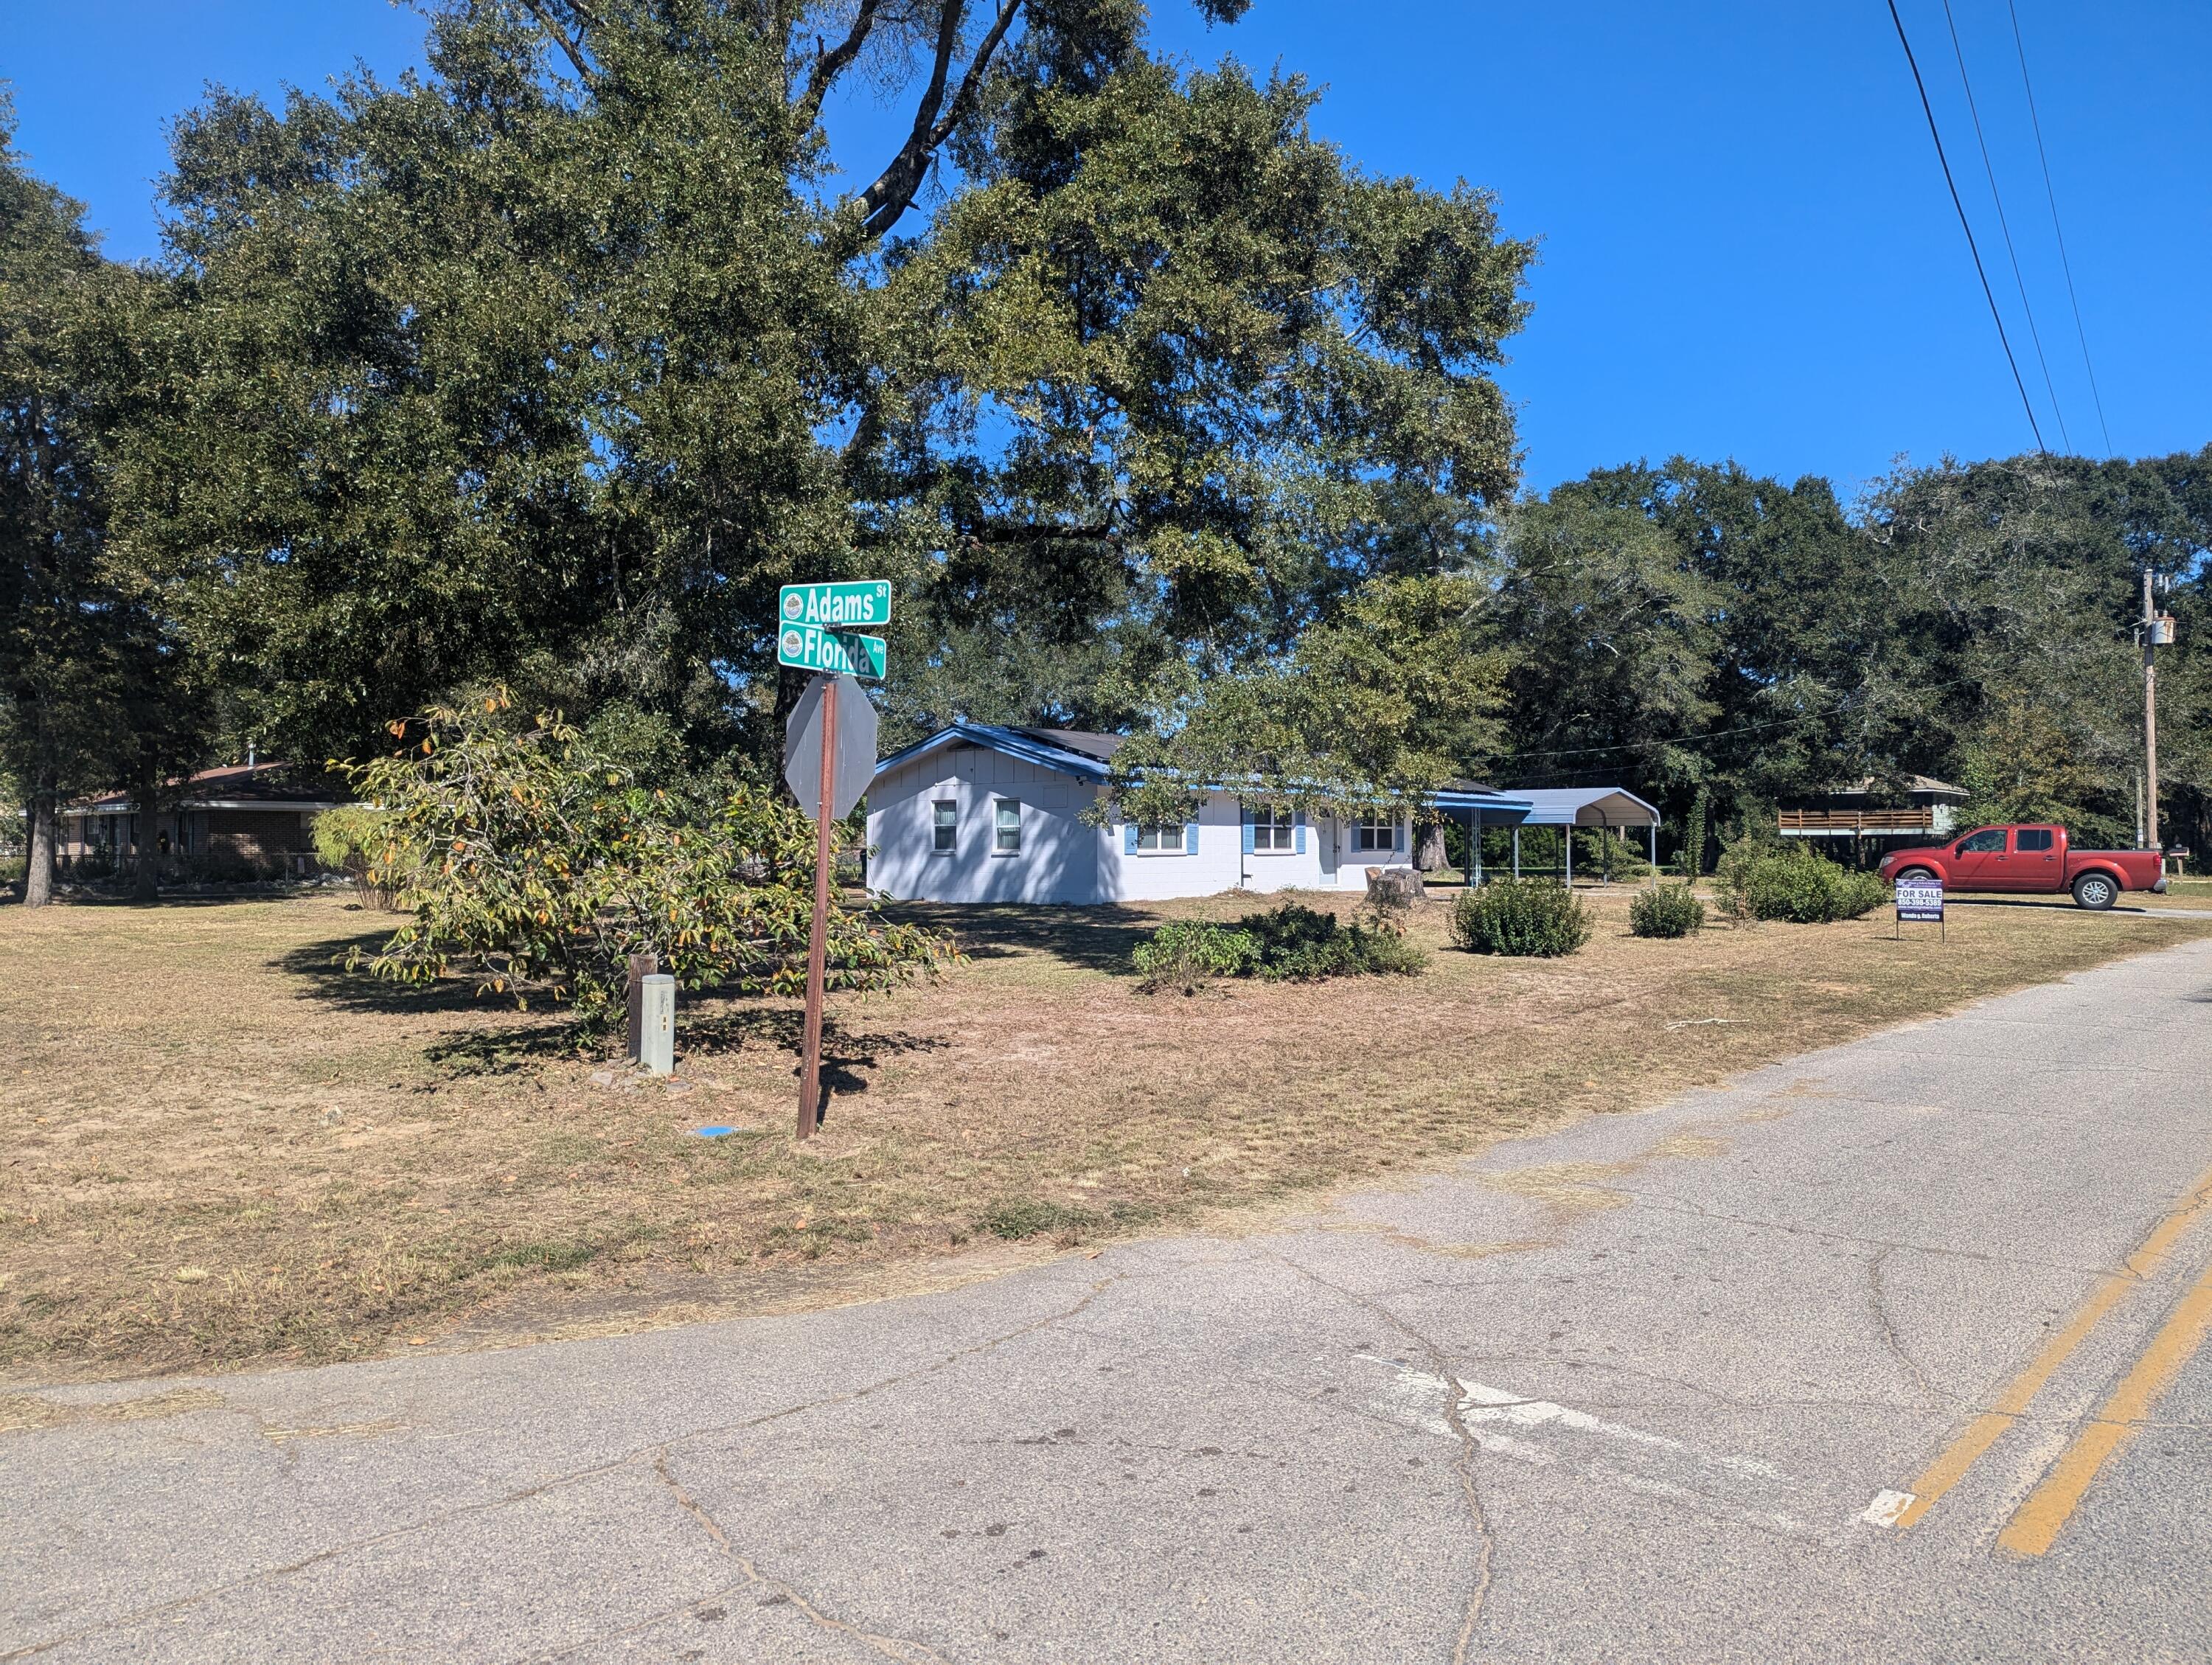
[1912,817]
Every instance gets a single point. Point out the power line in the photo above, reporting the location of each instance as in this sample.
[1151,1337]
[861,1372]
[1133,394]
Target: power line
[2011,253]
[2064,264]
[2004,340]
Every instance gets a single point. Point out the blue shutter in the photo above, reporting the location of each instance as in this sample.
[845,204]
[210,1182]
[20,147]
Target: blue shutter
[1128,838]
[1298,833]
[1250,832]
[1190,838]
[1397,835]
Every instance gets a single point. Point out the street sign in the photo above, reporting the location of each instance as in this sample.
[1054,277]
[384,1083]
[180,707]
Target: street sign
[855,743]
[829,653]
[835,606]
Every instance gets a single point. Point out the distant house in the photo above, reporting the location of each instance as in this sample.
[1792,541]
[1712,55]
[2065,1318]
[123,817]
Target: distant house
[1916,807]
[248,817]
[981,813]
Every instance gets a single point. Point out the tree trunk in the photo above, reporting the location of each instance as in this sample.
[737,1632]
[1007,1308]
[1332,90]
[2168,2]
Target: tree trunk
[146,804]
[1429,848]
[38,871]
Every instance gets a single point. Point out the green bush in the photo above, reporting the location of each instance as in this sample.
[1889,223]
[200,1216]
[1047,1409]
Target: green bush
[1665,910]
[1192,951]
[1607,855]
[1794,884]
[1526,916]
[1291,943]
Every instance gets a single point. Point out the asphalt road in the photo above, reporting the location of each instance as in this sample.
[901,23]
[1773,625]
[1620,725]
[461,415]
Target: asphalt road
[1888,1352]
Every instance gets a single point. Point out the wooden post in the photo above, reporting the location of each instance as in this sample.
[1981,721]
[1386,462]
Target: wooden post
[641,966]
[809,1072]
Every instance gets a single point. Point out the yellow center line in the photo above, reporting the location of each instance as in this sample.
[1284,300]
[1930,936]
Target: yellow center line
[1956,1458]
[2038,1520]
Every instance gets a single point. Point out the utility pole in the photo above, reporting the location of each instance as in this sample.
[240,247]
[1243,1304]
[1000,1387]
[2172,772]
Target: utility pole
[2157,632]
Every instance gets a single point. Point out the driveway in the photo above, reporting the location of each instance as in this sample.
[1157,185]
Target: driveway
[1888,1353]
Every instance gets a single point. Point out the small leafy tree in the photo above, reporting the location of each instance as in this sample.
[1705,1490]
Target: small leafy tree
[537,867]
[348,840]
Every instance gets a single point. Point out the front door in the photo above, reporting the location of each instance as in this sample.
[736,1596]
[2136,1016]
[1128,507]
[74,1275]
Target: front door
[1982,861]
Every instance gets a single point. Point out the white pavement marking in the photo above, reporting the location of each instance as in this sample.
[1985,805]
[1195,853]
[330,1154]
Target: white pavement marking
[1886,1508]
[1418,1398]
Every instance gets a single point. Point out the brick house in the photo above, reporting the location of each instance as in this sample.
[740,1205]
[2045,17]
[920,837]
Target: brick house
[248,817]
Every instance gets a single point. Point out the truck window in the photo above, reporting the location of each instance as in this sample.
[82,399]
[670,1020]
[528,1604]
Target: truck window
[2033,838]
[1988,841]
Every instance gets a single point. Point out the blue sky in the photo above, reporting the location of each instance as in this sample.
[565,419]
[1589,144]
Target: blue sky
[1747,250]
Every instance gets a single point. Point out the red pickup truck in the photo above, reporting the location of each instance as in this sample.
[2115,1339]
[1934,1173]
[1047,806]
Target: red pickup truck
[2029,858]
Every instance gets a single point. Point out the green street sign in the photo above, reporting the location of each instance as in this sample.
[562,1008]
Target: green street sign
[831,653]
[835,606]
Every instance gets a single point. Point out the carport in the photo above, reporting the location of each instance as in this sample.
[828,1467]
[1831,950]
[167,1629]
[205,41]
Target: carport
[1476,807]
[1612,808]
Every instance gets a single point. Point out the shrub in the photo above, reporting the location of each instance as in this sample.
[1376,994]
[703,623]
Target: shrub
[1189,951]
[534,865]
[1796,884]
[1665,910]
[1608,855]
[1291,943]
[1524,917]
[346,841]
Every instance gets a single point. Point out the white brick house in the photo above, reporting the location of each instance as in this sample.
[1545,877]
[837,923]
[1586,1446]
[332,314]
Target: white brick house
[978,813]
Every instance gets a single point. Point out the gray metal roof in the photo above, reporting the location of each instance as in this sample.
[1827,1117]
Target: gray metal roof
[1586,806]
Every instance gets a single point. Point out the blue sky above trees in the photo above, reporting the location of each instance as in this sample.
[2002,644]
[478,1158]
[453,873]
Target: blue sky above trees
[1747,246]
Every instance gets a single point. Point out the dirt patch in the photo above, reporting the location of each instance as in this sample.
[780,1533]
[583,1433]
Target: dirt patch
[219,1147]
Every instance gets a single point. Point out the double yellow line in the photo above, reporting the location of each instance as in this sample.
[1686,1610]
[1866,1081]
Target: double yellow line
[2037,1522]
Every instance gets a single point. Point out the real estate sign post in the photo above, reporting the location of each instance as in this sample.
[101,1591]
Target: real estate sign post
[809,637]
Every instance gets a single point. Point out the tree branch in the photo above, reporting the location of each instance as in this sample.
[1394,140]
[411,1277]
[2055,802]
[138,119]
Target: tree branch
[571,50]
[830,62]
[893,192]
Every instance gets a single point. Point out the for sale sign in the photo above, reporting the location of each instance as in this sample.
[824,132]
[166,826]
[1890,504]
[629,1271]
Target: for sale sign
[1921,901]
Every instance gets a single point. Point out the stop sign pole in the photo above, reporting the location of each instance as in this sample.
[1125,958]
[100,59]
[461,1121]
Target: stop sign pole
[818,939]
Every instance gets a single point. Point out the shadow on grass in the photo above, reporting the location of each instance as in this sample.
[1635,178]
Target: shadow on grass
[322,966]
[1095,938]
[846,1049]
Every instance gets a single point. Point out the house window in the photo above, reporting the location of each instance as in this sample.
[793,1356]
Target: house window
[945,826]
[1007,838]
[1274,828]
[1165,840]
[1373,835]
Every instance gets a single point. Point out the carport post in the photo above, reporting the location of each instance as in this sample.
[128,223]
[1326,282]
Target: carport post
[1652,828]
[1516,851]
[1567,843]
[1473,849]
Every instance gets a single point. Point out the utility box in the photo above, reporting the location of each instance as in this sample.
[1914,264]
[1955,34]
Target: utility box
[2158,633]
[656,1040]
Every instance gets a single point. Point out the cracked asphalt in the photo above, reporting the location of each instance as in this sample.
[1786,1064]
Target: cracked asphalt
[1676,1385]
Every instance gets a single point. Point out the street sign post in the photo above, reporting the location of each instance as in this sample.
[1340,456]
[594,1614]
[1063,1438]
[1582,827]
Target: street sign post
[835,606]
[830,755]
[829,653]
[1920,902]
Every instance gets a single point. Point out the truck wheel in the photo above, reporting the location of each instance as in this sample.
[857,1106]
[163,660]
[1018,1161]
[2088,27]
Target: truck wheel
[1915,876]
[2096,891]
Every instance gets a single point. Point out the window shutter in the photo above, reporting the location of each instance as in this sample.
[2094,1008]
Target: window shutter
[1397,835]
[1128,838]
[1298,833]
[1190,838]
[1251,832]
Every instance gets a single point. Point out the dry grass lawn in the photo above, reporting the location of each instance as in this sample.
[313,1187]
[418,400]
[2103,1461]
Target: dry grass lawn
[219,1147]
